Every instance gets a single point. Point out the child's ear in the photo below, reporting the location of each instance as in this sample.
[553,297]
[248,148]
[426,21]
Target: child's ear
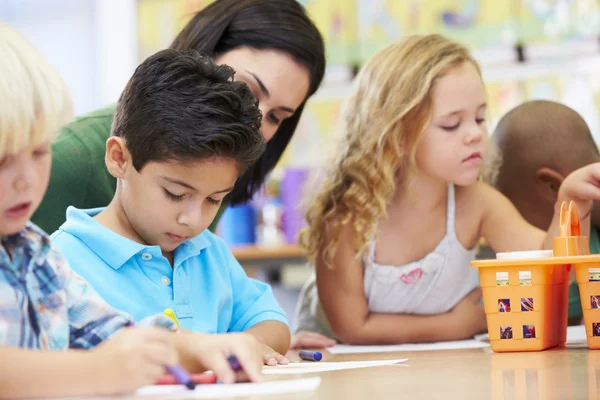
[549,181]
[117,157]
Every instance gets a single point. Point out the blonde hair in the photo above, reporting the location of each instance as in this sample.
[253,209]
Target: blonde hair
[35,100]
[383,121]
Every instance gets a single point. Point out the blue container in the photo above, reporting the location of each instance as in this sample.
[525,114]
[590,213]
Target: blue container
[238,225]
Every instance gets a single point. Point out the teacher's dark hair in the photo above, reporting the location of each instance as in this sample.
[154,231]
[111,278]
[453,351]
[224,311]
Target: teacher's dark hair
[281,25]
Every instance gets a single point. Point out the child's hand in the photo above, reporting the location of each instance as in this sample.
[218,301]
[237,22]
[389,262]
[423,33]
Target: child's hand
[310,340]
[468,316]
[582,186]
[134,357]
[212,352]
[271,357]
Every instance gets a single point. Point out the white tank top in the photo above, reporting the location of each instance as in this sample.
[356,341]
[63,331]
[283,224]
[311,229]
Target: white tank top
[432,285]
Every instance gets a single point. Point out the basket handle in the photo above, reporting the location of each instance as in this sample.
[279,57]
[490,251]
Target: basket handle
[569,220]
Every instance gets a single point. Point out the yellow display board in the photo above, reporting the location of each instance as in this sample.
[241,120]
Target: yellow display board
[313,141]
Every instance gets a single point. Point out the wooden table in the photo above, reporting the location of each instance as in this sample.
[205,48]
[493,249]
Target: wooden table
[572,373]
[271,258]
[268,256]
[565,374]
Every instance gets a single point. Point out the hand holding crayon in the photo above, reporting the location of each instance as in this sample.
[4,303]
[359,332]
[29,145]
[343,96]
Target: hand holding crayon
[135,357]
[232,357]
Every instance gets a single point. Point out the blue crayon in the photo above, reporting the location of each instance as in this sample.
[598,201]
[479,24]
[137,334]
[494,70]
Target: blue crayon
[310,355]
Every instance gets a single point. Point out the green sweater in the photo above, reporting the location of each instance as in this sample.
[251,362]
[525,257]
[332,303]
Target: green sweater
[79,176]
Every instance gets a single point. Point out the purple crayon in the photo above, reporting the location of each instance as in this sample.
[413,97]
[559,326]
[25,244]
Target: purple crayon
[182,376]
[234,363]
[178,372]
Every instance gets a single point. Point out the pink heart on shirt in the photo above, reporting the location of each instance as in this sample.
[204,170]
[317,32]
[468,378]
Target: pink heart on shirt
[412,276]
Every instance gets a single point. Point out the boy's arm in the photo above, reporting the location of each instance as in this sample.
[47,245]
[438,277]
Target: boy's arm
[255,308]
[342,296]
[132,358]
[32,373]
[274,334]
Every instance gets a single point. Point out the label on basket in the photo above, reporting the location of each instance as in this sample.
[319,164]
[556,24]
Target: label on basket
[594,274]
[501,278]
[525,278]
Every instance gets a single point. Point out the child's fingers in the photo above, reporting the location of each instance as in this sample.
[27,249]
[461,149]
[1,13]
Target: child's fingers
[279,358]
[268,359]
[152,372]
[590,191]
[595,171]
[311,340]
[251,369]
[271,357]
[160,354]
[158,335]
[222,370]
[242,376]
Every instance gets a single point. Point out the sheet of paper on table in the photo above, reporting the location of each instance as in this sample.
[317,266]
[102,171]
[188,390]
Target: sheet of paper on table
[451,345]
[316,367]
[236,390]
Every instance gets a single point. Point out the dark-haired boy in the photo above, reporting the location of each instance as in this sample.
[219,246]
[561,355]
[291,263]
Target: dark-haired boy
[183,133]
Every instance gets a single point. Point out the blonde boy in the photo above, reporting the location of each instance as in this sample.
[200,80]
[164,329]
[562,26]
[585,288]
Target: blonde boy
[44,305]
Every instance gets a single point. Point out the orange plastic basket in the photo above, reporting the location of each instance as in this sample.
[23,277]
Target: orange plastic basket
[526,299]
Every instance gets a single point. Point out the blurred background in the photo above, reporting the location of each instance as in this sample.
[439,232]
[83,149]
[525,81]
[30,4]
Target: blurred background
[528,49]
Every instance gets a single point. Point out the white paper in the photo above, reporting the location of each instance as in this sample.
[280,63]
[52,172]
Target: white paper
[482,337]
[575,335]
[316,367]
[234,390]
[452,345]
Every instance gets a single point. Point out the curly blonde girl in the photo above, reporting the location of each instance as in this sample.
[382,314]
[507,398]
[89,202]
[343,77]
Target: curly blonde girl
[383,121]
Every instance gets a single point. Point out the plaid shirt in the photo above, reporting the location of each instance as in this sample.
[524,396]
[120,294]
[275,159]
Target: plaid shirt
[45,305]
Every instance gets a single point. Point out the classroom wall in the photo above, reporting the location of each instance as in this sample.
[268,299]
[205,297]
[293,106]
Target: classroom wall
[92,43]
[96,45]
[560,39]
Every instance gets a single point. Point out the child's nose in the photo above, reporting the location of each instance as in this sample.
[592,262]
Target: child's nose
[191,217]
[475,134]
[25,179]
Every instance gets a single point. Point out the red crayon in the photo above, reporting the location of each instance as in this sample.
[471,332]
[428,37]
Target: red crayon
[201,379]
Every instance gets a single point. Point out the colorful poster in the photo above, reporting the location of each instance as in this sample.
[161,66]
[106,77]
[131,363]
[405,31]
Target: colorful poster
[159,21]
[336,20]
[547,21]
[354,30]
[543,88]
[475,23]
[502,97]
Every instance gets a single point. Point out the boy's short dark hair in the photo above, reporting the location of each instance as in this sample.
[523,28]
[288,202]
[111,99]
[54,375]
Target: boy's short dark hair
[181,106]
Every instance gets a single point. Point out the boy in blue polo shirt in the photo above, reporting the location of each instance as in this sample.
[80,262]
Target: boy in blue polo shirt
[183,133]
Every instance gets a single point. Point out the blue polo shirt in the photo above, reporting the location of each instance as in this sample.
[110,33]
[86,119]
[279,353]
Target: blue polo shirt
[207,288]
